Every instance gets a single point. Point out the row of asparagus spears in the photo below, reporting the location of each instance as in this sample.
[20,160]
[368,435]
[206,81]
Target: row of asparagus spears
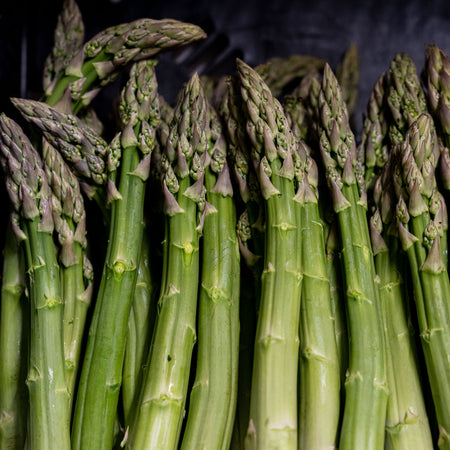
[235,270]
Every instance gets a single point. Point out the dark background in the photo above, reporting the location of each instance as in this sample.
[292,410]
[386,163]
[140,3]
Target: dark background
[248,29]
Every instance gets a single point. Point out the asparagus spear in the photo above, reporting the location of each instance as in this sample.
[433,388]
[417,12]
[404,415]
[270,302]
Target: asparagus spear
[85,151]
[366,390]
[158,419]
[13,348]
[213,395]
[301,116]
[319,396]
[420,215]
[102,57]
[273,408]
[337,299]
[406,418]
[101,376]
[140,328]
[250,231]
[69,218]
[233,116]
[30,194]
[247,314]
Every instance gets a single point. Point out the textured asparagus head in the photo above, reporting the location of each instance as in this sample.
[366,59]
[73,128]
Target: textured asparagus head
[374,147]
[337,141]
[69,214]
[68,41]
[267,127]
[436,75]
[81,146]
[26,182]
[102,57]
[162,135]
[406,98]
[187,146]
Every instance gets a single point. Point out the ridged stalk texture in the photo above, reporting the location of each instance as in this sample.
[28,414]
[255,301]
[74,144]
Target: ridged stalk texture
[14,317]
[407,423]
[29,192]
[140,328]
[158,419]
[101,377]
[420,215]
[76,271]
[273,408]
[365,385]
[213,397]
[319,367]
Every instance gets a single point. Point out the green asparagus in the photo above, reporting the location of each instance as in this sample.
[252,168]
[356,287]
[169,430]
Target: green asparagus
[365,386]
[273,409]
[31,198]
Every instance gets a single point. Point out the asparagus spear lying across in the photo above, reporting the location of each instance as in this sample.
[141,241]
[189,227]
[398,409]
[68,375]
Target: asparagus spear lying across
[102,57]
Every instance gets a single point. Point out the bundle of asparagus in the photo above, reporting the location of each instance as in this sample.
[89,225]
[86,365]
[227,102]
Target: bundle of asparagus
[234,271]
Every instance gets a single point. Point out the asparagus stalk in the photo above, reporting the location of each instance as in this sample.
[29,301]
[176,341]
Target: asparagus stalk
[101,376]
[30,194]
[406,418]
[70,225]
[319,368]
[140,327]
[300,117]
[158,419]
[233,116]
[247,314]
[419,223]
[365,386]
[102,57]
[13,332]
[213,395]
[250,231]
[337,298]
[273,408]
